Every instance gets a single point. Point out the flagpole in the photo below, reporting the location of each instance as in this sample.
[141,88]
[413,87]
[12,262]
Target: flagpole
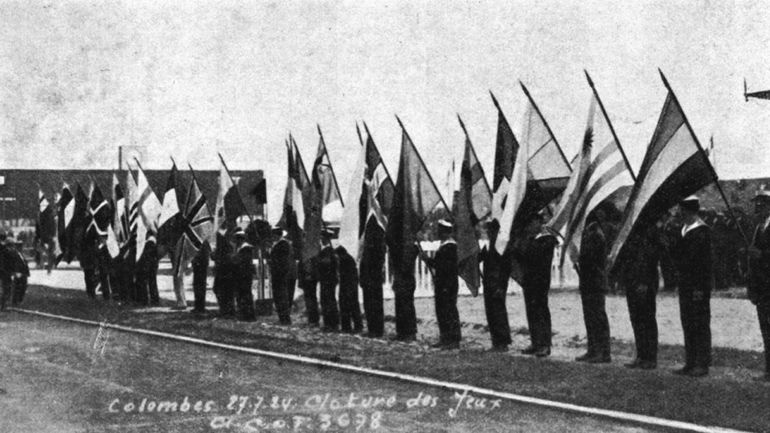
[612,129]
[369,135]
[358,131]
[483,174]
[705,158]
[336,185]
[236,187]
[299,157]
[558,146]
[430,177]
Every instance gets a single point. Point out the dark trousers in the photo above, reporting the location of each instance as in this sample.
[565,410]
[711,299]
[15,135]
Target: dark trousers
[104,282]
[6,290]
[350,310]
[91,280]
[763,313]
[497,315]
[310,293]
[329,309]
[447,316]
[152,284]
[374,310]
[696,325]
[291,287]
[244,299]
[223,290]
[641,310]
[19,290]
[597,325]
[141,288]
[406,316]
[147,286]
[539,316]
[199,287]
[281,298]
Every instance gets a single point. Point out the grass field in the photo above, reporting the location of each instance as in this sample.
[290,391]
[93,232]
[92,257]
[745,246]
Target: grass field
[728,397]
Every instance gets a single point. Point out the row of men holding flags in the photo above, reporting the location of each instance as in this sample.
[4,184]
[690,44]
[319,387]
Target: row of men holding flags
[537,200]
[531,175]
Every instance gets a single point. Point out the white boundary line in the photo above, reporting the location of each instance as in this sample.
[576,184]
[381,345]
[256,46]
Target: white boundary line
[584,410]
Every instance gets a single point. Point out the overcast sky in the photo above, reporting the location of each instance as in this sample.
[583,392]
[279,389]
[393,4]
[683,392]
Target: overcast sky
[189,79]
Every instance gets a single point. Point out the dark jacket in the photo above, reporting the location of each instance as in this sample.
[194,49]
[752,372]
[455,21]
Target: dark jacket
[372,267]
[497,269]
[347,270]
[444,265]
[592,260]
[692,255]
[641,266]
[241,262]
[282,261]
[759,268]
[327,266]
[535,256]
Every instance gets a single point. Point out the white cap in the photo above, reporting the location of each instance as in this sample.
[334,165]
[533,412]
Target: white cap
[444,223]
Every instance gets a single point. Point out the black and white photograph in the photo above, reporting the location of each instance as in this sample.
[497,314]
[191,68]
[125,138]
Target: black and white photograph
[384,216]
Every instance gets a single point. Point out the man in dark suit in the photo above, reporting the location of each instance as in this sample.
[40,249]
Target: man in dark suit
[223,275]
[20,270]
[283,273]
[639,278]
[147,273]
[593,289]
[534,252]
[692,255]
[328,267]
[445,286]
[243,272]
[759,272]
[497,272]
[372,277]
[350,309]
[200,267]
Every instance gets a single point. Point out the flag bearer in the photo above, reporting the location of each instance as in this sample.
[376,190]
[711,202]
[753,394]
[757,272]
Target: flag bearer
[283,273]
[445,284]
[692,254]
[328,267]
[497,271]
[350,310]
[243,272]
[759,272]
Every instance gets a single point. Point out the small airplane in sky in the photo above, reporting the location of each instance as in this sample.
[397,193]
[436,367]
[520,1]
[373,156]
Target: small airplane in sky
[762,94]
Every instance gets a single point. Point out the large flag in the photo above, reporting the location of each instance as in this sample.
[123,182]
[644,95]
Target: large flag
[325,183]
[46,221]
[170,220]
[64,218]
[471,204]
[516,184]
[674,167]
[603,171]
[149,209]
[506,148]
[416,197]
[374,195]
[98,216]
[72,216]
[119,214]
[198,226]
[293,217]
[132,204]
[229,206]
[549,169]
